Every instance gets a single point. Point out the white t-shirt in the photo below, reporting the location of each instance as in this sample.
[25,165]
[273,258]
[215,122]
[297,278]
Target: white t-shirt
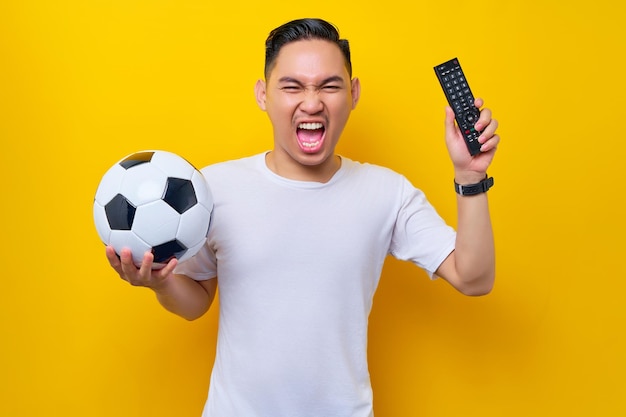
[298,265]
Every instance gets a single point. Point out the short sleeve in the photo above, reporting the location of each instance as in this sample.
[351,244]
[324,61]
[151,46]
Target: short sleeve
[420,235]
[200,267]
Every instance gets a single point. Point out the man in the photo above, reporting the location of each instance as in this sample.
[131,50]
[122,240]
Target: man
[299,236]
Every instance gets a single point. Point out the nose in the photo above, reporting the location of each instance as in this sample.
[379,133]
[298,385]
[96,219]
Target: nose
[312,102]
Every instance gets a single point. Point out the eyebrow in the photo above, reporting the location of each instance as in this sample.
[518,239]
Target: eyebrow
[332,79]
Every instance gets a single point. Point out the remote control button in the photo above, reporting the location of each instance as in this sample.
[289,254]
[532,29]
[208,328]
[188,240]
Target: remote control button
[471,117]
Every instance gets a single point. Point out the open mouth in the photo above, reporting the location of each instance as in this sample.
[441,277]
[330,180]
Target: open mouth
[310,136]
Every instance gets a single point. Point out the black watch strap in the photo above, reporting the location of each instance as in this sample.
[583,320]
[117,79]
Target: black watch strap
[473,189]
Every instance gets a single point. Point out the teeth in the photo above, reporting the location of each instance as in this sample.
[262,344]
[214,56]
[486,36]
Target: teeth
[310,126]
[310,144]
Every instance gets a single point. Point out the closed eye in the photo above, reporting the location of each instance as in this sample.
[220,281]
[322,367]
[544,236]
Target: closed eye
[328,85]
[291,88]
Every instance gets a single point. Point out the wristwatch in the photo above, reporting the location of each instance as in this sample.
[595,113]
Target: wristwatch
[473,189]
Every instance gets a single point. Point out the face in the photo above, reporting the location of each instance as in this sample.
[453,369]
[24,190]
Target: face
[308,97]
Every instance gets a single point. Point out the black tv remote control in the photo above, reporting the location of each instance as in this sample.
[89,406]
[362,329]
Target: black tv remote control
[461,99]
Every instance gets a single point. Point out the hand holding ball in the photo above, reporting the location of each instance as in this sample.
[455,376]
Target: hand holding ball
[153,201]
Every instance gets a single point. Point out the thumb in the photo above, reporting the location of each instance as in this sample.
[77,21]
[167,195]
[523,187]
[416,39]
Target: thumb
[449,123]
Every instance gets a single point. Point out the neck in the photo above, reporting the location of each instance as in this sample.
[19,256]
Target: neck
[293,170]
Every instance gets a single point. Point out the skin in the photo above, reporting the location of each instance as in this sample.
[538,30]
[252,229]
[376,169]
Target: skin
[470,268]
[310,84]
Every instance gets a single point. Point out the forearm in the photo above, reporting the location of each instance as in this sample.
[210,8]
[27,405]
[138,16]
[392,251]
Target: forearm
[185,297]
[474,250]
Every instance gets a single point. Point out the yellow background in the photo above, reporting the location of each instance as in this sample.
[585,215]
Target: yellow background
[83,83]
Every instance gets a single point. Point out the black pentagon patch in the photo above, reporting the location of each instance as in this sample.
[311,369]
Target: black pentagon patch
[136,159]
[164,252]
[120,213]
[179,194]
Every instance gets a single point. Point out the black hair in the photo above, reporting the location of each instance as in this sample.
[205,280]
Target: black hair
[301,29]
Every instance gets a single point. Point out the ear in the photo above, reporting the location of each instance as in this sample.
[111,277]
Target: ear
[260,93]
[356,91]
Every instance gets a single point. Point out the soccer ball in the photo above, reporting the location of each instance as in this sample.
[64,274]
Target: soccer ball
[153,201]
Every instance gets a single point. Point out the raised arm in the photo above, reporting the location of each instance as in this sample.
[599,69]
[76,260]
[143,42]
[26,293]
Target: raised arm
[470,268]
[178,294]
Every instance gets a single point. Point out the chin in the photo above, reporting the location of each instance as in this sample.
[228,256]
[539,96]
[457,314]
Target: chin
[313,158]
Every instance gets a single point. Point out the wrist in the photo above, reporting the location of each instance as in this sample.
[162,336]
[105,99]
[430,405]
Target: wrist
[479,187]
[469,177]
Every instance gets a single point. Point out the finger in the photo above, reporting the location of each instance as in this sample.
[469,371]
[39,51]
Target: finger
[114,260]
[169,268]
[129,270]
[126,257]
[478,102]
[449,121]
[489,131]
[483,120]
[146,264]
[140,276]
[491,144]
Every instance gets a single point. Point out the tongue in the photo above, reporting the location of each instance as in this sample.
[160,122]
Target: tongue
[307,135]
[310,140]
